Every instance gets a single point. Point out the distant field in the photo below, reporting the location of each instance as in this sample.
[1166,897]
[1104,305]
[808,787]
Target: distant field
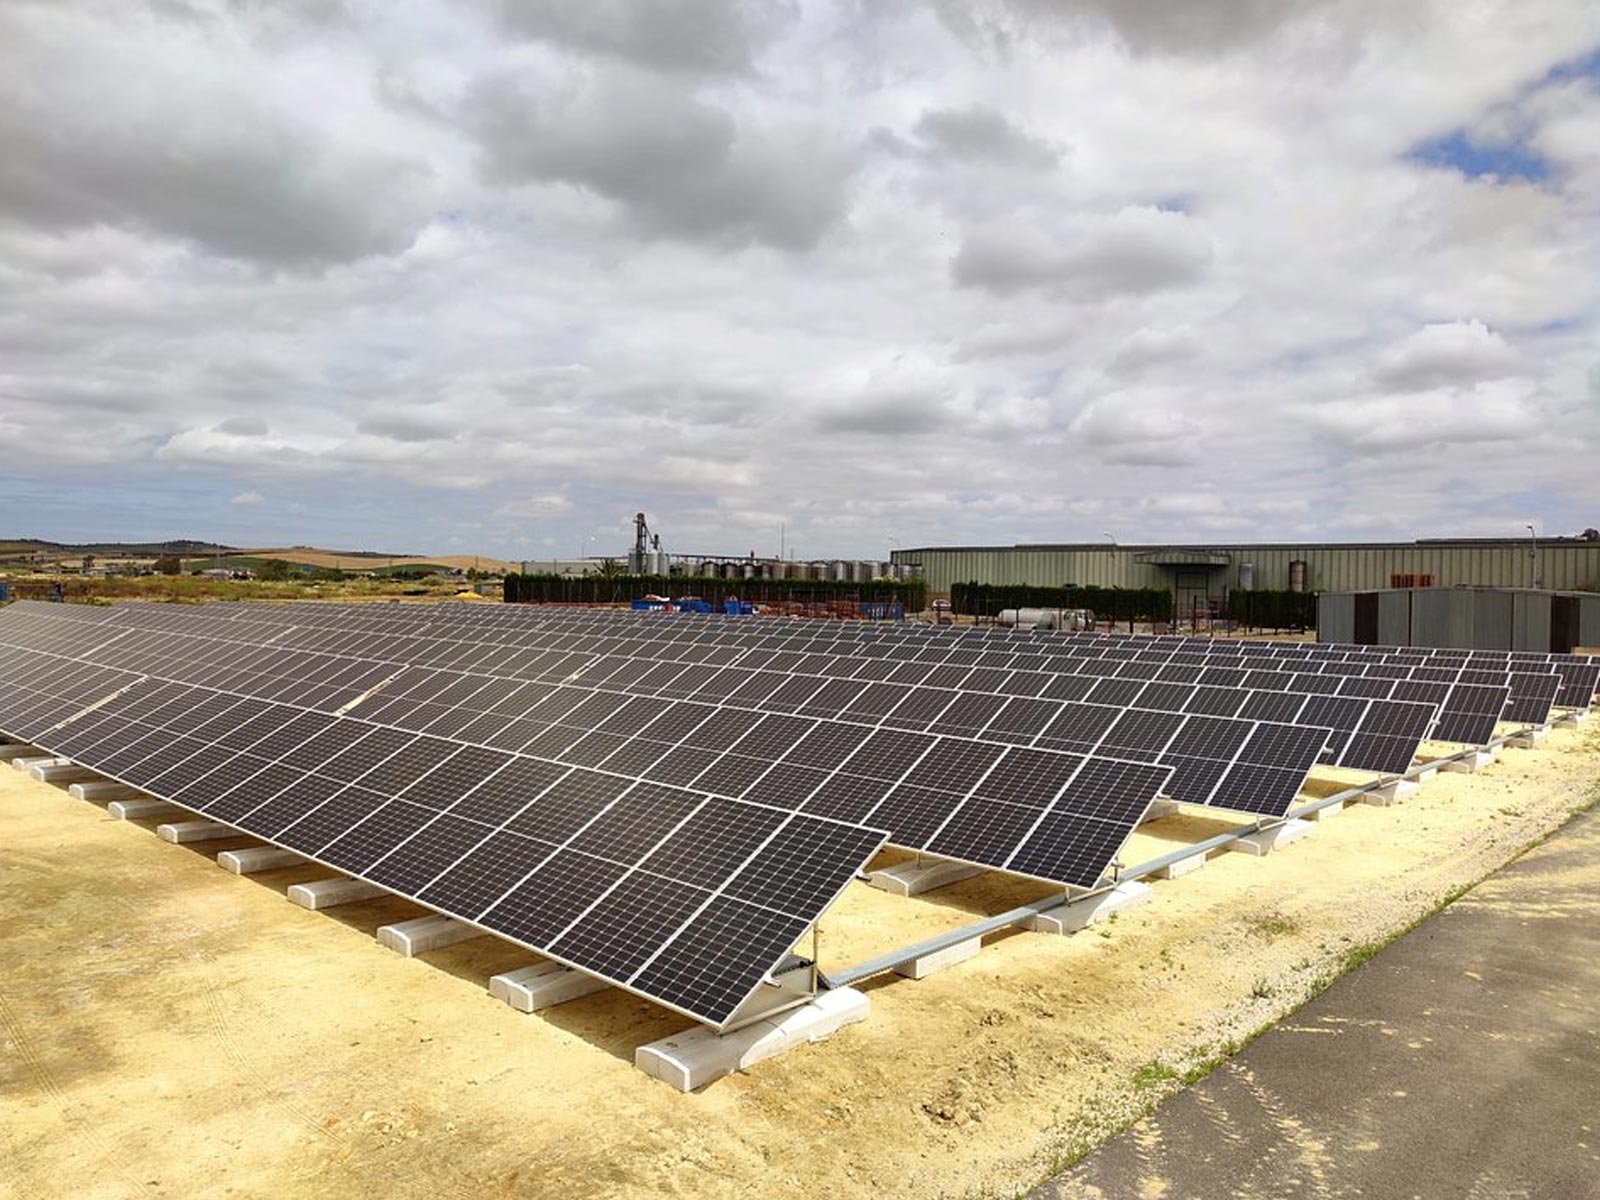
[366,561]
[255,562]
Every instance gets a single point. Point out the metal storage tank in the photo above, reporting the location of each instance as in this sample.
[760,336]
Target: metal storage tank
[836,570]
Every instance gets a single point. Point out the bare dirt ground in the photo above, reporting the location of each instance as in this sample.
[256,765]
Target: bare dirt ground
[168,1029]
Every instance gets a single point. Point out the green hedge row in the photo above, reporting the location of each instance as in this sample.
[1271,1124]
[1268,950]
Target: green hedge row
[1120,604]
[595,589]
[1262,609]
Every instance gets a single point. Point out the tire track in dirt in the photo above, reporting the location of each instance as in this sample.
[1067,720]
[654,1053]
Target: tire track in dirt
[20,1044]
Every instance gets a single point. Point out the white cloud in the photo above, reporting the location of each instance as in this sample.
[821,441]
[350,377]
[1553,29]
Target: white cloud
[248,499]
[1460,352]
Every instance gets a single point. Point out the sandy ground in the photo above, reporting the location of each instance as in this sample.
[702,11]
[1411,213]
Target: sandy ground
[169,1029]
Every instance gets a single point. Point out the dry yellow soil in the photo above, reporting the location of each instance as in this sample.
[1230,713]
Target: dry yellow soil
[168,1029]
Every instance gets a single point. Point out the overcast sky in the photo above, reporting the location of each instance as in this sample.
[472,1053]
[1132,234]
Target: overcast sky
[490,275]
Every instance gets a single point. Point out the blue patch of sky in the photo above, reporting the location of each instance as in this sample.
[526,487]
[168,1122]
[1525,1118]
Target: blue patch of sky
[1504,159]
[1458,150]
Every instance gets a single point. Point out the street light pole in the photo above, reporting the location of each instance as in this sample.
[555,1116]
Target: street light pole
[1533,553]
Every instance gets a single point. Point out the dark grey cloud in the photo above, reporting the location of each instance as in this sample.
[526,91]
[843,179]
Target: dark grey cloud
[409,426]
[707,36]
[889,415]
[983,135]
[244,427]
[1134,251]
[679,166]
[97,135]
[1191,29]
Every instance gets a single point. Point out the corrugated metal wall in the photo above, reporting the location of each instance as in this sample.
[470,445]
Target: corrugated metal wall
[1331,568]
[1478,618]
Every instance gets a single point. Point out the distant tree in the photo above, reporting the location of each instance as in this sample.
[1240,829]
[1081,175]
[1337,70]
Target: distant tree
[610,568]
[88,561]
[168,565]
[275,570]
[1590,535]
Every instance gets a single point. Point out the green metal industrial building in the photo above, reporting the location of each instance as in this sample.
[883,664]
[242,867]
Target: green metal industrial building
[1209,572]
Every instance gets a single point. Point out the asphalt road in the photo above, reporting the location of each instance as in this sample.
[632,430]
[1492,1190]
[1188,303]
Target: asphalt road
[1462,1062]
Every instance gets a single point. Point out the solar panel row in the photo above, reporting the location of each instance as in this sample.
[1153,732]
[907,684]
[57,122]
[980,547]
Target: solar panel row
[1238,763]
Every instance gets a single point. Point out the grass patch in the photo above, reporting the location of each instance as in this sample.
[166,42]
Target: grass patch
[1274,925]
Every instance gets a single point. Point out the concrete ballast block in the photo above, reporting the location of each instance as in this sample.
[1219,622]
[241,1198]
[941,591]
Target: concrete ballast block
[1275,838]
[327,893]
[142,808]
[418,936]
[1467,764]
[195,831]
[1160,807]
[26,763]
[921,968]
[542,985]
[60,773]
[1091,910]
[253,859]
[1325,813]
[913,878]
[1184,866]
[102,790]
[11,752]
[699,1056]
[1530,739]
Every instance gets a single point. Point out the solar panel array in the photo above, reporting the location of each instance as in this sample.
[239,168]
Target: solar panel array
[669,804]
[682,896]
[1377,728]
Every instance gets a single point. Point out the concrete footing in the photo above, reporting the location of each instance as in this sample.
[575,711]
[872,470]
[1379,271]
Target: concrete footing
[1390,793]
[60,773]
[528,989]
[921,968]
[1529,739]
[1272,839]
[921,875]
[699,1056]
[143,808]
[1575,716]
[410,938]
[1326,813]
[1469,763]
[1184,866]
[11,751]
[327,893]
[27,762]
[198,830]
[1160,807]
[254,859]
[1091,910]
[102,790]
